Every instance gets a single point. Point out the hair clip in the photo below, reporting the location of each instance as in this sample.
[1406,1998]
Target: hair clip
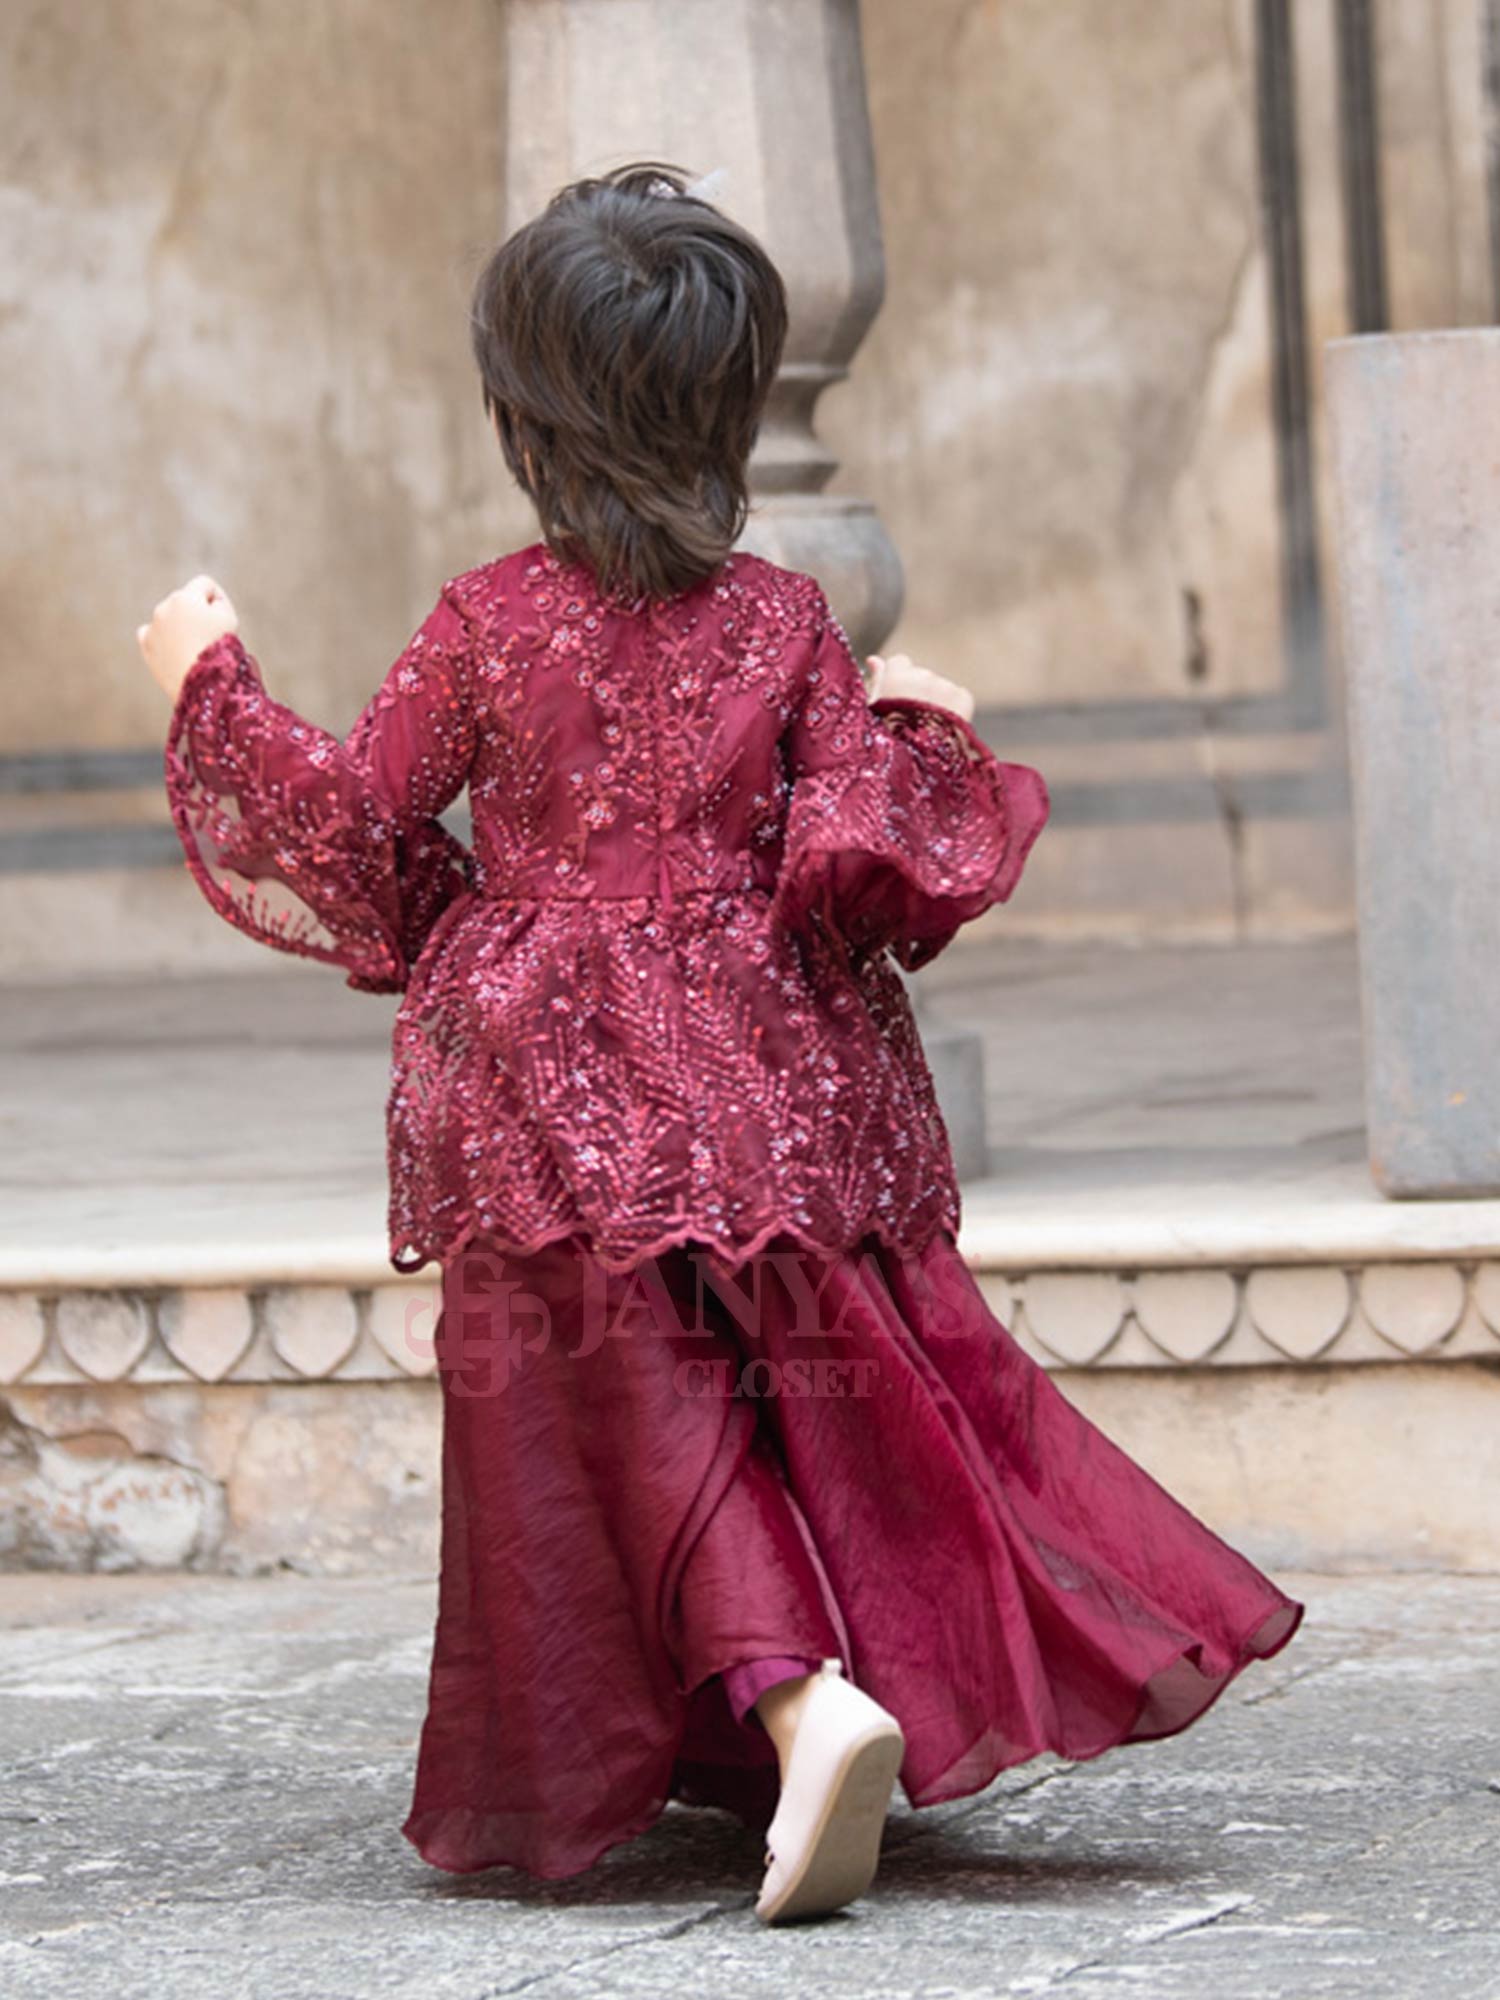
[703,189]
[708,186]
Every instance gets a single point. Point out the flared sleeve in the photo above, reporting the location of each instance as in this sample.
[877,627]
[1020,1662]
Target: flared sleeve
[328,849]
[902,824]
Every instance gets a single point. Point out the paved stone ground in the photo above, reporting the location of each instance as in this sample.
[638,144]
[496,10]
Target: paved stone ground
[204,1778]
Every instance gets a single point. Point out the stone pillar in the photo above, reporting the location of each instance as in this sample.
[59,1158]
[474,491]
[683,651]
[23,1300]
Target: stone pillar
[773,92]
[1415,422]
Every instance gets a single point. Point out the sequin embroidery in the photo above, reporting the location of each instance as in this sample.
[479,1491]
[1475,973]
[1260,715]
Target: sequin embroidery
[657,1000]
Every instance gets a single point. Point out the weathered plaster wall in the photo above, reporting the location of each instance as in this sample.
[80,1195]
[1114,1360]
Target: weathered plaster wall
[239,242]
[1339,1468]
[239,248]
[1063,407]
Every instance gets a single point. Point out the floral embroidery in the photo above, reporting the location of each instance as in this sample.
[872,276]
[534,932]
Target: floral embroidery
[656,1001]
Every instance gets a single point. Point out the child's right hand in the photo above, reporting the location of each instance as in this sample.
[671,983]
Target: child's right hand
[902,677]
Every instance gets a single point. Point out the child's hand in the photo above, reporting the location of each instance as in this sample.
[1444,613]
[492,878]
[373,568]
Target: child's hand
[903,677]
[181,626]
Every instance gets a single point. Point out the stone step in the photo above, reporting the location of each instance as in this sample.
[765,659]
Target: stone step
[205,1355]
[1224,1289]
[196,1179]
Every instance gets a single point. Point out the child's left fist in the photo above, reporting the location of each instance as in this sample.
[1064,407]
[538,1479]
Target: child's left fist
[181,626]
[902,677]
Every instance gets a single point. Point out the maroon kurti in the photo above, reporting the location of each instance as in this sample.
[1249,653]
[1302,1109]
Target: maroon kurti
[650,1026]
[624,1011]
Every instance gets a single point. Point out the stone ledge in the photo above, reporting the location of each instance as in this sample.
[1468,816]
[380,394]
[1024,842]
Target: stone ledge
[1124,1209]
[1101,1212]
[1268,1314]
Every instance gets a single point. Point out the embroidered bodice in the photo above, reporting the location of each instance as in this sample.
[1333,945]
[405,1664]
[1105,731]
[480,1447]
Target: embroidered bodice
[654,1001]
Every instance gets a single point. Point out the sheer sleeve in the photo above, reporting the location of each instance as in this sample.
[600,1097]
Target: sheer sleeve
[902,824]
[328,849]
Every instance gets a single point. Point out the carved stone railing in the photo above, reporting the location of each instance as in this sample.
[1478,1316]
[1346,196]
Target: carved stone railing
[1428,1309]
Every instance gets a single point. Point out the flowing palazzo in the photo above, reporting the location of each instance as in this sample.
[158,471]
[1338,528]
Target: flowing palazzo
[666,1487]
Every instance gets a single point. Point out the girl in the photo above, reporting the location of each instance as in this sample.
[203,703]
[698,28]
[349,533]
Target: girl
[748,1499]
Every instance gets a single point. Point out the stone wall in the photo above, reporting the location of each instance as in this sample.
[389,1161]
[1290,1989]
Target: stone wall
[1319,1416]
[241,246]
[1339,1468]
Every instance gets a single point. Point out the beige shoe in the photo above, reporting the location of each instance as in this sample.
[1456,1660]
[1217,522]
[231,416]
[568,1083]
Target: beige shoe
[823,1843]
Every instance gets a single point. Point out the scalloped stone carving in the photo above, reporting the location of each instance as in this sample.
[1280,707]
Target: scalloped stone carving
[1071,1319]
[1414,1306]
[403,1323]
[312,1327]
[1487,1295]
[1075,1314]
[1301,1309]
[103,1333]
[1185,1313]
[207,1330]
[1000,1293]
[23,1333]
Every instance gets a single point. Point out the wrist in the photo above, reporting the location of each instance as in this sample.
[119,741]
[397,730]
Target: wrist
[208,653]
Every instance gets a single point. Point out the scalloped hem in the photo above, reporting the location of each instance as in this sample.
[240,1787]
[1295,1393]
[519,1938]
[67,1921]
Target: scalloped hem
[729,1255]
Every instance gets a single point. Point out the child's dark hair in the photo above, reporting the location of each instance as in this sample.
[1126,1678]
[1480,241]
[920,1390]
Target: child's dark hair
[627,339]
